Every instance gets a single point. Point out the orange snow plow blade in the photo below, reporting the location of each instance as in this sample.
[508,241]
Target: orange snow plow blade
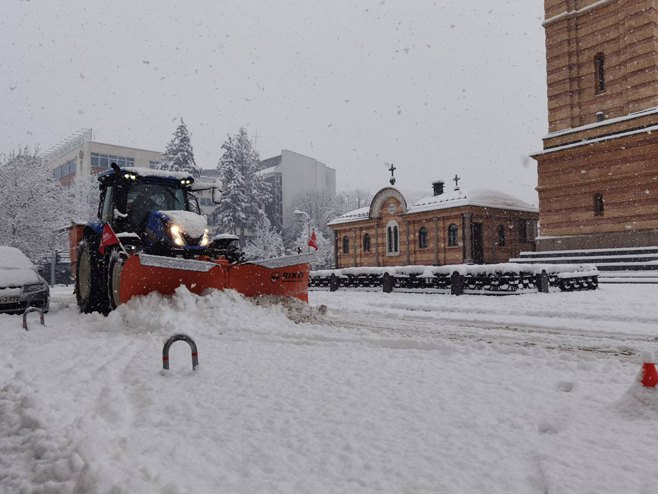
[142,274]
[253,280]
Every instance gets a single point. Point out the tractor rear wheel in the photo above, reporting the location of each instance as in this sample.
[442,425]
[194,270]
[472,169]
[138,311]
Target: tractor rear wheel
[90,281]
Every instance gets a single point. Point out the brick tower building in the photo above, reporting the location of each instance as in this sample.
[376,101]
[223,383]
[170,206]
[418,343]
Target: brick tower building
[598,171]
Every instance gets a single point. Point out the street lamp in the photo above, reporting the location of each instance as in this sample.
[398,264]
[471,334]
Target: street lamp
[304,216]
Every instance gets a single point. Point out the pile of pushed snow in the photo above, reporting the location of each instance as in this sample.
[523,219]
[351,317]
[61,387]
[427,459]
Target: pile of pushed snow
[296,310]
[215,313]
[639,402]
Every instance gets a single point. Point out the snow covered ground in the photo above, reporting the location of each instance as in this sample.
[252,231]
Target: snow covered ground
[394,393]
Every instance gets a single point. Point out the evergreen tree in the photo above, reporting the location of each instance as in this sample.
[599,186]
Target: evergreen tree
[179,156]
[265,243]
[30,204]
[245,193]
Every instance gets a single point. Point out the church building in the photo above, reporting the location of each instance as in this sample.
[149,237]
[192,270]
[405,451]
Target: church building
[408,226]
[598,171]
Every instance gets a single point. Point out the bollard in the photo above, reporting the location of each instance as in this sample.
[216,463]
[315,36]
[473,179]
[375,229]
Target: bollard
[542,281]
[170,341]
[456,283]
[387,283]
[334,282]
[33,309]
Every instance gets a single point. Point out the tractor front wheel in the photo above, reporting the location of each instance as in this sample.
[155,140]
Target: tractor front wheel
[114,278]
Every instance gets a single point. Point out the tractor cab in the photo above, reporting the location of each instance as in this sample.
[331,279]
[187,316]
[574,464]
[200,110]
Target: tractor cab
[154,211]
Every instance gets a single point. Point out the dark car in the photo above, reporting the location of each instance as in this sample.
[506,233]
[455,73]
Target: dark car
[20,284]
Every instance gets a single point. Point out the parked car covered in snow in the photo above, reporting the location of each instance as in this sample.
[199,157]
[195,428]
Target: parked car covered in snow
[20,284]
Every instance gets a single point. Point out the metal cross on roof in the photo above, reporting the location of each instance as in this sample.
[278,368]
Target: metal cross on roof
[456,179]
[392,170]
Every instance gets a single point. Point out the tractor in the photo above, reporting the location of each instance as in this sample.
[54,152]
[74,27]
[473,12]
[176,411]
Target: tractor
[150,236]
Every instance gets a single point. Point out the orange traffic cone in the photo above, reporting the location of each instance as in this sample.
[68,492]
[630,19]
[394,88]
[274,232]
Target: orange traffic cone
[649,374]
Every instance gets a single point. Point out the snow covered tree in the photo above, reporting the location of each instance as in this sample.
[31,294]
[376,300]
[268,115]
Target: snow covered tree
[245,193]
[30,204]
[265,243]
[322,208]
[318,204]
[349,200]
[179,156]
[81,199]
[325,252]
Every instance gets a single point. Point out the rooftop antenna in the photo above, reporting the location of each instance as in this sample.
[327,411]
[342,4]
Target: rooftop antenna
[392,170]
[456,179]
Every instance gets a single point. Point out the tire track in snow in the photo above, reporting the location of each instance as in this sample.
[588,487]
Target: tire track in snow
[414,327]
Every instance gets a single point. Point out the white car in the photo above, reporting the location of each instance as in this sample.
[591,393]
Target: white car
[20,284]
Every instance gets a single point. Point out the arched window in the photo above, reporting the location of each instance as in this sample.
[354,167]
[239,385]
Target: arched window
[598,205]
[366,242]
[422,238]
[392,238]
[599,73]
[501,235]
[452,235]
[346,244]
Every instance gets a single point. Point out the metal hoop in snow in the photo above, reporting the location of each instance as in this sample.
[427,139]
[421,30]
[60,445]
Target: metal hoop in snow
[170,341]
[33,309]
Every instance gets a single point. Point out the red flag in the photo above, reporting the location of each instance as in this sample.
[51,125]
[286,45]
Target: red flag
[313,241]
[108,238]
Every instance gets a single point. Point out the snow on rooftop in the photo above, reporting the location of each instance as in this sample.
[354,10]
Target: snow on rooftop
[588,142]
[356,215]
[603,123]
[266,171]
[487,198]
[412,194]
[420,200]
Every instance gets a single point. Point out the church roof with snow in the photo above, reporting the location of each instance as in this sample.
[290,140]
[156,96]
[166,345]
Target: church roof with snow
[486,198]
[418,201]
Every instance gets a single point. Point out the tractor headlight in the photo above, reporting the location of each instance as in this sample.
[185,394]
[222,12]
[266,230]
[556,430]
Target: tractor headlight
[205,239]
[176,235]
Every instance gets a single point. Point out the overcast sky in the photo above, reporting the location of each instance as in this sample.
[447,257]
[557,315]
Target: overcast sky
[435,87]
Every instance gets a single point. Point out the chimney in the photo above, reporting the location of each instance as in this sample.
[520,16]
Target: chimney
[438,187]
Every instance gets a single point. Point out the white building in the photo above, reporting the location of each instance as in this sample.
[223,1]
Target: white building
[291,174]
[81,154]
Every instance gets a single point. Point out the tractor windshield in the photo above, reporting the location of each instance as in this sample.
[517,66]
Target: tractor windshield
[143,198]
